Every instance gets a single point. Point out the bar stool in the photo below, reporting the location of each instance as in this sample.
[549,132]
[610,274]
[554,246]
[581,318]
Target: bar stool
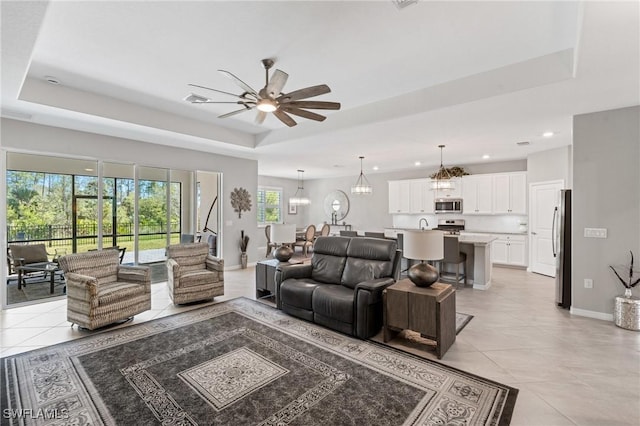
[452,254]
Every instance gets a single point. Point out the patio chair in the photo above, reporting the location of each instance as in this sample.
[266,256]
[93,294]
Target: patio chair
[100,291]
[25,254]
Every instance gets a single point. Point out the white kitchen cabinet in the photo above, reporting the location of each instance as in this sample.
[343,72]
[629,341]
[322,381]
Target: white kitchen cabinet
[399,196]
[509,249]
[510,193]
[420,196]
[477,194]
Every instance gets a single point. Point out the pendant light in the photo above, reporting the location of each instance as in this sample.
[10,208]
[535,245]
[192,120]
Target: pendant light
[362,186]
[442,179]
[298,198]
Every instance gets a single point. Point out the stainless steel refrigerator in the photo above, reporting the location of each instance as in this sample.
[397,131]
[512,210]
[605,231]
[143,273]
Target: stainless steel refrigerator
[561,238]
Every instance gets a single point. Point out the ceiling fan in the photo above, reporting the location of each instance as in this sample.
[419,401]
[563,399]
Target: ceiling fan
[271,98]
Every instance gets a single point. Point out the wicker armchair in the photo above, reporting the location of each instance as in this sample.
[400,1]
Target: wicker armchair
[100,291]
[193,274]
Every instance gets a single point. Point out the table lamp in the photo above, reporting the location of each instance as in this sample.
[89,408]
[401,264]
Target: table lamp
[282,234]
[423,245]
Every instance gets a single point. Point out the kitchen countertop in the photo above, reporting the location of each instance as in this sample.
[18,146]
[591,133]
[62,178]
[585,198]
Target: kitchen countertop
[475,231]
[473,239]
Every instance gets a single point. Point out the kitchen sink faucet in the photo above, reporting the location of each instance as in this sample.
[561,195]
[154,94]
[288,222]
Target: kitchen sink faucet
[425,222]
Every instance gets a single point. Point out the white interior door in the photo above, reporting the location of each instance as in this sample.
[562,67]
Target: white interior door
[544,199]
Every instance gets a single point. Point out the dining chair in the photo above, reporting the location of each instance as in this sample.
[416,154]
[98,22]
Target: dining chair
[270,244]
[374,234]
[309,236]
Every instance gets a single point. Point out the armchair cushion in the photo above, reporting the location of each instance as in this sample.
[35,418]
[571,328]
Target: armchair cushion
[334,301]
[329,257]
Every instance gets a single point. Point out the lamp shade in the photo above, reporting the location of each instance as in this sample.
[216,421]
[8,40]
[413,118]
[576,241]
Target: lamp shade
[423,245]
[281,233]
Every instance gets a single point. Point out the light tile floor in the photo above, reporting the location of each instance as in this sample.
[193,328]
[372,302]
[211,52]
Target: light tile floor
[570,370]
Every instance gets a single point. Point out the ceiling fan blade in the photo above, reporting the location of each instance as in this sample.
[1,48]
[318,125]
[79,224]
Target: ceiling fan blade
[313,104]
[307,92]
[197,99]
[229,114]
[260,117]
[285,118]
[277,82]
[302,113]
[215,90]
[244,86]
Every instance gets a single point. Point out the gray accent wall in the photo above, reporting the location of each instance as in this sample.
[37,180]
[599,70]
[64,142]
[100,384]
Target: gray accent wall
[236,172]
[606,194]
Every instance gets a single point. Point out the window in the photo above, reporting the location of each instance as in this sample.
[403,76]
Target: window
[269,205]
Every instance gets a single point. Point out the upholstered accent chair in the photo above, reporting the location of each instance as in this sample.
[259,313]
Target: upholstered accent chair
[193,274]
[100,291]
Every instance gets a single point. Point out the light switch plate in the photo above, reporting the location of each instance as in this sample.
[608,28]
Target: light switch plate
[588,283]
[595,232]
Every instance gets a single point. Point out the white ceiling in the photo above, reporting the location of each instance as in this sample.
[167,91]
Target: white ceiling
[475,76]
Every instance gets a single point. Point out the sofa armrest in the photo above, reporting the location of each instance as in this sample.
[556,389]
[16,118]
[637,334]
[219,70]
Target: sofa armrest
[284,272]
[375,286]
[135,274]
[215,264]
[82,287]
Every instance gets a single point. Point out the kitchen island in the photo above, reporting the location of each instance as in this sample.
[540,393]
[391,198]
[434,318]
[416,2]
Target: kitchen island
[477,248]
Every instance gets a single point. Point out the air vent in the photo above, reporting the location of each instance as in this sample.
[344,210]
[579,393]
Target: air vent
[401,4]
[51,80]
[523,143]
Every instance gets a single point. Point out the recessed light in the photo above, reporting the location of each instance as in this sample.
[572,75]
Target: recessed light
[417,163]
[486,157]
[376,168]
[337,166]
[51,80]
[547,134]
[88,170]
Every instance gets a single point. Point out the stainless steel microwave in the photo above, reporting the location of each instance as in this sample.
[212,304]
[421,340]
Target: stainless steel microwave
[448,205]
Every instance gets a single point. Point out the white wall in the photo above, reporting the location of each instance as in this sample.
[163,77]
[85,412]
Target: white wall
[554,164]
[237,172]
[606,194]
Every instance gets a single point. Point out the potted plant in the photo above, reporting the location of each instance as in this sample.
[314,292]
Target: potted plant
[244,243]
[627,308]
[627,283]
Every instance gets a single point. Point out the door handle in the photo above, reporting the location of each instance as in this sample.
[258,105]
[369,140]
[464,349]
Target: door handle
[553,231]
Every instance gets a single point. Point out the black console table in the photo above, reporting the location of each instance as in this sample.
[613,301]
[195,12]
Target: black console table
[265,277]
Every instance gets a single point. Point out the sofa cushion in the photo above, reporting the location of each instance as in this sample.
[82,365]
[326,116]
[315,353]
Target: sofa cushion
[368,259]
[198,277]
[328,259]
[298,292]
[118,291]
[334,301]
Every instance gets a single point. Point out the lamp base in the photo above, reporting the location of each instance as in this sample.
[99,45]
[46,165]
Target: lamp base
[423,274]
[283,253]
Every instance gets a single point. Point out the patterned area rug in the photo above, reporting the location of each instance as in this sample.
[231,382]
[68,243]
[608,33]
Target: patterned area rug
[240,362]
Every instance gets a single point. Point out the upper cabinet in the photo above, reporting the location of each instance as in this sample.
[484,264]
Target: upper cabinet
[421,196]
[484,194]
[410,196]
[477,194]
[510,193]
[399,196]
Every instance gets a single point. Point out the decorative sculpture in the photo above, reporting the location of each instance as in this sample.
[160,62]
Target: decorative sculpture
[240,201]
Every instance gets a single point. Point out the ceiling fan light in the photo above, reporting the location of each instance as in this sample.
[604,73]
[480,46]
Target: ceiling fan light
[266,105]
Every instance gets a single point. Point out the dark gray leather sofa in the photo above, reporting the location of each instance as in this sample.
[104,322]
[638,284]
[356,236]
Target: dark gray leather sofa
[342,287]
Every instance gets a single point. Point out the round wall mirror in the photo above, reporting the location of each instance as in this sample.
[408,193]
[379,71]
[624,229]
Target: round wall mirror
[336,204]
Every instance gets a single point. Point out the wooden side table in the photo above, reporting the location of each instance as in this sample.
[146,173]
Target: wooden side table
[265,277]
[430,311]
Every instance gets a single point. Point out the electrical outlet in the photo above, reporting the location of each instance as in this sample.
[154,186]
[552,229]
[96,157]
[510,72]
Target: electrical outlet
[595,232]
[588,283]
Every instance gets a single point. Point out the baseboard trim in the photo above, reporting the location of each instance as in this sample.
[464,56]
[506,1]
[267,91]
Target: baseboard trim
[591,314]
